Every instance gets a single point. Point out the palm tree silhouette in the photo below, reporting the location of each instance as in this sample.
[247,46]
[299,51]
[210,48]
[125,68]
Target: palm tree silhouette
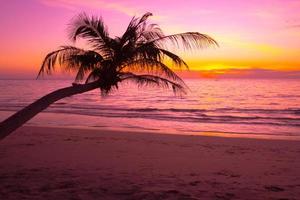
[138,55]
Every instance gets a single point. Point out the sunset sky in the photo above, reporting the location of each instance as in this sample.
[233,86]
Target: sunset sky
[257,37]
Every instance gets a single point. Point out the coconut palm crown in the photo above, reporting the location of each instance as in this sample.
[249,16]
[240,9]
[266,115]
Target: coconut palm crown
[139,55]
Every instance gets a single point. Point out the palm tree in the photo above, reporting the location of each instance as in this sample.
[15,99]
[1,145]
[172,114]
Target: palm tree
[138,55]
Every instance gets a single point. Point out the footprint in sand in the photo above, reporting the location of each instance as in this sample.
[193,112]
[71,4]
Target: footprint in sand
[228,173]
[274,188]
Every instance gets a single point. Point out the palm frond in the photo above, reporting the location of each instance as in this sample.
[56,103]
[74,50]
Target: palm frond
[93,30]
[71,59]
[156,81]
[177,61]
[134,29]
[59,56]
[152,67]
[145,17]
[188,40]
[148,33]
[84,63]
[149,51]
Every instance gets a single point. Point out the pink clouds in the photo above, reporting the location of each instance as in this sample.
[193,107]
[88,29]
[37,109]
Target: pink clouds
[92,4]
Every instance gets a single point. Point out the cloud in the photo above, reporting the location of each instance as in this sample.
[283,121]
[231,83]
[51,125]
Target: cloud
[74,4]
[234,73]
[257,74]
[294,26]
[129,10]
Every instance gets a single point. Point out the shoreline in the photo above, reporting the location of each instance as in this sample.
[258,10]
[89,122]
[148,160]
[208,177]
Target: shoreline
[199,134]
[46,119]
[90,122]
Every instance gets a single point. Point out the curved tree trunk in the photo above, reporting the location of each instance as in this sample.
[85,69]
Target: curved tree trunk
[19,118]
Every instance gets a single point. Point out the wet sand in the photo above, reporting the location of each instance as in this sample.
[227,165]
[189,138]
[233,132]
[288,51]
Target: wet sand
[56,163]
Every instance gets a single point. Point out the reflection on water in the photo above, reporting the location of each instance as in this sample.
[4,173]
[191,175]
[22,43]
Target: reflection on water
[237,106]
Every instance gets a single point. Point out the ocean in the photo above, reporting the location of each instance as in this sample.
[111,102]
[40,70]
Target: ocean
[239,107]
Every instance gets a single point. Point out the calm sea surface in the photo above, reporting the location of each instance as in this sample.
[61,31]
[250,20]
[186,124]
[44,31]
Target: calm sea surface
[257,107]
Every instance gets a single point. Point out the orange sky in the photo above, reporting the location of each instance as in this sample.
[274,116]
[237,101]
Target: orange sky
[258,35]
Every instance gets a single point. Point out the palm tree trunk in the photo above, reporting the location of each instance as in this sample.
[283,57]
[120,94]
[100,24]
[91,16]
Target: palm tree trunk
[19,118]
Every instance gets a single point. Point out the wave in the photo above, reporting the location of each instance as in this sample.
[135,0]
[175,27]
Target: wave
[63,105]
[247,116]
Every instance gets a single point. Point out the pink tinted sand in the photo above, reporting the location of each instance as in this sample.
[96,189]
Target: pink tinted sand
[53,163]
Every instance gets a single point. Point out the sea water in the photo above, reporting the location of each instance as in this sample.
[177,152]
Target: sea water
[238,106]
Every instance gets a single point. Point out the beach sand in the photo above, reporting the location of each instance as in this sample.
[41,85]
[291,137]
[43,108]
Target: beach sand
[55,163]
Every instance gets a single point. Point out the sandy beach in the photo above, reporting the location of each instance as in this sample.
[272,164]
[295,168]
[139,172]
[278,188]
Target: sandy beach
[55,163]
